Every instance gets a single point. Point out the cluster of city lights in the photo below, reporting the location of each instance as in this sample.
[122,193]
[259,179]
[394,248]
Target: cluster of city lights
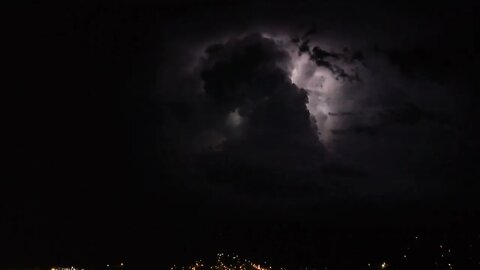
[442,257]
[225,262]
[233,262]
[66,268]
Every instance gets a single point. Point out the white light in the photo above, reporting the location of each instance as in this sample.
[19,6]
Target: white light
[234,119]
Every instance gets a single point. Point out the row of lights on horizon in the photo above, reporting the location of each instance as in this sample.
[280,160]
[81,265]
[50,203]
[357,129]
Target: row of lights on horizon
[445,256]
[121,265]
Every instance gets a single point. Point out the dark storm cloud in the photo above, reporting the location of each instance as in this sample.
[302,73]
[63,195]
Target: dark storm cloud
[395,114]
[243,71]
[245,127]
[266,129]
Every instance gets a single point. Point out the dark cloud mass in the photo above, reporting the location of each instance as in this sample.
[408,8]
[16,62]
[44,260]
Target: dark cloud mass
[270,106]
[247,79]
[257,118]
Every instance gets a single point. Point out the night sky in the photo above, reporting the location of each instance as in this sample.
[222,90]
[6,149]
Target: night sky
[304,133]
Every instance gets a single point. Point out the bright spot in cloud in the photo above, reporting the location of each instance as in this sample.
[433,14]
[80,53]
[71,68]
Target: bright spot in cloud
[234,119]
